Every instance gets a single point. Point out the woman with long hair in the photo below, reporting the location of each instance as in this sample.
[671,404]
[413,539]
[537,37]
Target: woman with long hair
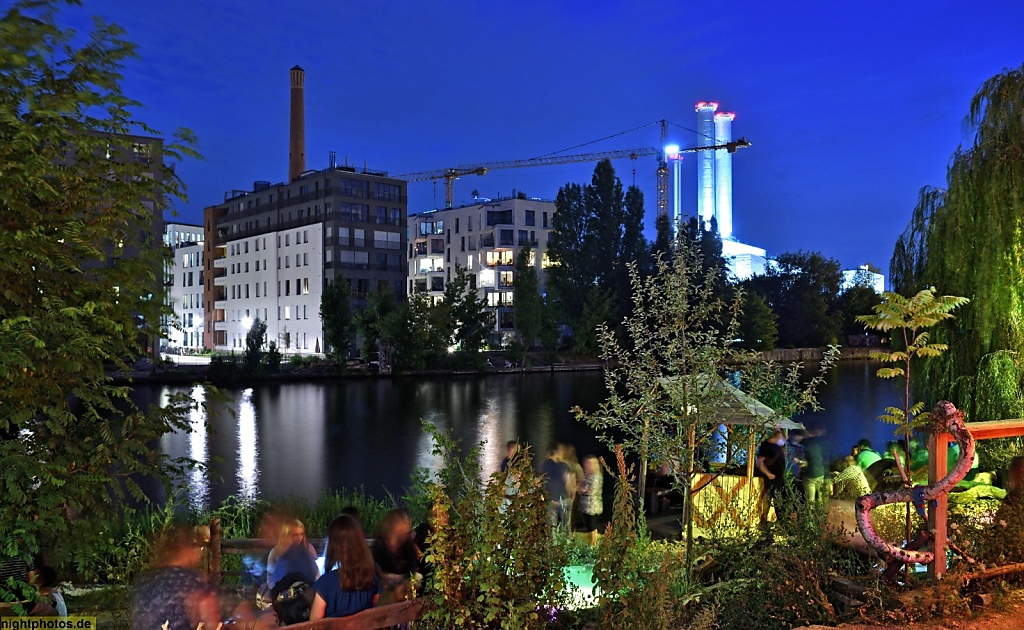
[351,582]
[293,533]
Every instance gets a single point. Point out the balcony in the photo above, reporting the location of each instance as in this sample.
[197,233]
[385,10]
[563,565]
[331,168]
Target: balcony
[220,281]
[220,305]
[220,263]
[220,325]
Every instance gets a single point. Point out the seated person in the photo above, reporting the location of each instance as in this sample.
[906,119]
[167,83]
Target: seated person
[865,454]
[394,551]
[293,533]
[46,583]
[352,582]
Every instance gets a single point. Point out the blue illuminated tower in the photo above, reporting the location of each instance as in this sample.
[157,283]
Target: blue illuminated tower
[705,161]
[723,174]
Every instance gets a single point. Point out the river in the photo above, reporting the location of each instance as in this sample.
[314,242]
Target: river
[300,439]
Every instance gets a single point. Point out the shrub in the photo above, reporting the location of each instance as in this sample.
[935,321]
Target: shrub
[496,563]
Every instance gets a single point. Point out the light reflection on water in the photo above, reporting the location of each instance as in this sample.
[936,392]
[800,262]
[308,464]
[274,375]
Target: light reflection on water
[301,439]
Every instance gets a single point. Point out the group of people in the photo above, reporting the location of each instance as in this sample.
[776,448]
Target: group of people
[575,490]
[300,583]
[808,460]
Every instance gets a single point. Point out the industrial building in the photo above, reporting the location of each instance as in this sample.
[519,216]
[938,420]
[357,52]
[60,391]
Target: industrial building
[485,239]
[714,189]
[270,251]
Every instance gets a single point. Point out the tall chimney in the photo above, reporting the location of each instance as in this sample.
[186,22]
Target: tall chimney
[705,160]
[297,128]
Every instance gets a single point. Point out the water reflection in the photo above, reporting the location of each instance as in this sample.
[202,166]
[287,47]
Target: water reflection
[301,439]
[248,468]
[199,482]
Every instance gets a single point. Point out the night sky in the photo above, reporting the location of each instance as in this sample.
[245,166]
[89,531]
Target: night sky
[851,107]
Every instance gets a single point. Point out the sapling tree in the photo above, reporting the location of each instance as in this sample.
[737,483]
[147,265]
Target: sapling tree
[666,373]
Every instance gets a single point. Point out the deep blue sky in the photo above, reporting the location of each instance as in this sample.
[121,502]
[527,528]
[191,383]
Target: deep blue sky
[851,107]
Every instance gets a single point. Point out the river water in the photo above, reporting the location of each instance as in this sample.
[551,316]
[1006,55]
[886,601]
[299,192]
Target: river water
[300,439]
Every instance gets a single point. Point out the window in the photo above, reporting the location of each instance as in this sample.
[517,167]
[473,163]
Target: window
[287,287]
[247,267]
[298,288]
[287,240]
[545,217]
[531,217]
[247,247]
[463,243]
[287,262]
[437,283]
[456,225]
[505,238]
[257,289]
[305,260]
[287,312]
[305,287]
[305,236]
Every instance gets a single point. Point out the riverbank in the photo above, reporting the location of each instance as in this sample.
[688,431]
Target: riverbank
[181,373]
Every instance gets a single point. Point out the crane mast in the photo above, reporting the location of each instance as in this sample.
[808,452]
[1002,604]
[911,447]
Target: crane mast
[662,197]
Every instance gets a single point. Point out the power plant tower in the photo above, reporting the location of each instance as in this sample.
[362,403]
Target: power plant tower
[297,127]
[723,174]
[706,161]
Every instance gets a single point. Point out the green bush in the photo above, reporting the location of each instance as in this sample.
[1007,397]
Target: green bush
[496,562]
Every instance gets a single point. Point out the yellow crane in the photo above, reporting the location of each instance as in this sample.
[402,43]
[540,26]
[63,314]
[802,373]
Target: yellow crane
[449,175]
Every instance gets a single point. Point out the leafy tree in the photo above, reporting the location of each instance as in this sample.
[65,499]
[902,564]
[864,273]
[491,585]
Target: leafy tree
[468,312]
[82,296]
[966,239]
[572,275]
[338,320]
[424,338]
[596,231]
[255,339]
[528,301]
[855,301]
[597,310]
[803,290]
[664,378]
[907,318]
[380,325]
[664,236]
[758,328]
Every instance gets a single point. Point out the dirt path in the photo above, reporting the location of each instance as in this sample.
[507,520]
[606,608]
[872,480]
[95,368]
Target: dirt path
[1010,617]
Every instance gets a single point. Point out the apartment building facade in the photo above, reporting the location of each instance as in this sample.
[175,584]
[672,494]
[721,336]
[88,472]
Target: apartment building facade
[184,287]
[485,239]
[271,251]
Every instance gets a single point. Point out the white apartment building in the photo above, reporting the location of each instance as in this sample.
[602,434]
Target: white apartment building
[184,286]
[485,239]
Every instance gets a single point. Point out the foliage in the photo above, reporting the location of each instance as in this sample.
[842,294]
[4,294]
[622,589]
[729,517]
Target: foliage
[528,301]
[758,328]
[639,582]
[600,212]
[598,307]
[666,387]
[255,339]
[81,204]
[966,239]
[778,582]
[338,320]
[380,325]
[469,323]
[496,563]
[273,358]
[907,318]
[802,289]
[857,300]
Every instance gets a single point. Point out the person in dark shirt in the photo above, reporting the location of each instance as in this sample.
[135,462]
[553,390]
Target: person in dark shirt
[174,595]
[817,453]
[510,451]
[394,551]
[771,464]
[352,581]
[558,480]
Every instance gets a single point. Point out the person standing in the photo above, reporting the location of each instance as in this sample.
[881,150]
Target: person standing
[589,496]
[558,483]
[817,454]
[771,464]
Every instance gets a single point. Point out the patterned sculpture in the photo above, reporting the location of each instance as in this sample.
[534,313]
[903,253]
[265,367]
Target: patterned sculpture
[946,416]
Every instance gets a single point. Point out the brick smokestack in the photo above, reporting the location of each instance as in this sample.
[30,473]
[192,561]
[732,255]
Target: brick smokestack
[297,128]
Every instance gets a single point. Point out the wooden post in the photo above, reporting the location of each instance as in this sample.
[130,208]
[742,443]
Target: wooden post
[214,552]
[937,447]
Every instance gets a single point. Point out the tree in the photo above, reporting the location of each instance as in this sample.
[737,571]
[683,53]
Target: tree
[758,328]
[908,317]
[82,295]
[802,289]
[255,339]
[665,392]
[381,324]
[338,320]
[528,301]
[966,239]
[572,274]
[468,312]
[855,301]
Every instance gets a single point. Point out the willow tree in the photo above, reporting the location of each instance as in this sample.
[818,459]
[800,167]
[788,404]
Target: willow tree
[969,240]
[81,277]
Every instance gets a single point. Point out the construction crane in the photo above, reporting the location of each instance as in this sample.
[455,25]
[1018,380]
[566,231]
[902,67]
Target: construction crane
[449,175]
